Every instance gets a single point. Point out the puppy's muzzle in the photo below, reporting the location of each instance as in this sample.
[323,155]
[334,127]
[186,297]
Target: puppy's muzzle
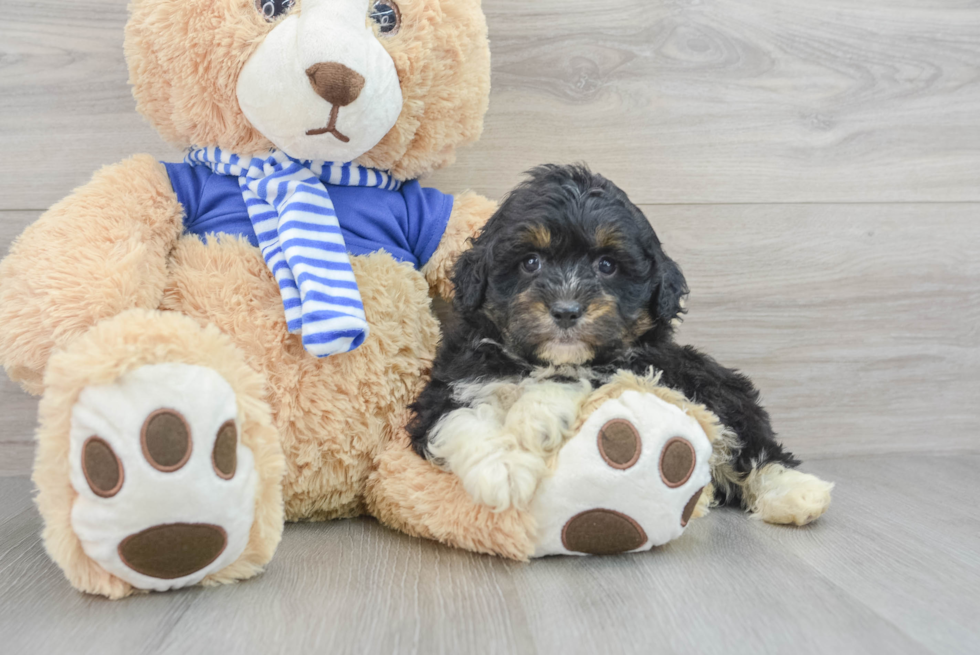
[566,313]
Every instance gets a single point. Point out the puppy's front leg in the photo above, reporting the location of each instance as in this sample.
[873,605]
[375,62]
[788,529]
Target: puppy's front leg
[541,418]
[501,442]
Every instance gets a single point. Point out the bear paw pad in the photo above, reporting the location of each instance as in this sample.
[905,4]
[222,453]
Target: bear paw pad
[166,489]
[628,481]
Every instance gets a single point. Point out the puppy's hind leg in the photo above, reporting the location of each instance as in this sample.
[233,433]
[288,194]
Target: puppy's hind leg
[755,470]
[777,494]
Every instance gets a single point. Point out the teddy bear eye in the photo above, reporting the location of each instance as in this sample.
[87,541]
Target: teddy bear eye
[385,13]
[273,9]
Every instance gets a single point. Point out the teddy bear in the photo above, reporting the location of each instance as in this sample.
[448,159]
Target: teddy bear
[231,342]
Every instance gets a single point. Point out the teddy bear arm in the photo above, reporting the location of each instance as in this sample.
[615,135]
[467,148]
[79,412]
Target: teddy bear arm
[98,252]
[470,212]
[411,494]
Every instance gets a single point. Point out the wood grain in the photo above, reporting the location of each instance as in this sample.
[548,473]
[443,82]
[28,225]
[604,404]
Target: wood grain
[911,553]
[17,420]
[738,100]
[18,410]
[678,100]
[12,223]
[893,567]
[858,322]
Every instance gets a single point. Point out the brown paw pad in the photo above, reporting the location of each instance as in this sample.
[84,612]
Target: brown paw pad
[166,440]
[224,457]
[620,444]
[173,551]
[102,469]
[677,462]
[689,508]
[602,532]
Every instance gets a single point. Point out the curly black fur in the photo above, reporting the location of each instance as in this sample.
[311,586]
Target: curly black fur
[573,223]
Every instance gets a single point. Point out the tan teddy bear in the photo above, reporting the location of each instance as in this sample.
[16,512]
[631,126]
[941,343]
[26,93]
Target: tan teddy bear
[232,341]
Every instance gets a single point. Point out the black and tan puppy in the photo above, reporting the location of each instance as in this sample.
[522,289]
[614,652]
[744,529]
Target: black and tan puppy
[566,285]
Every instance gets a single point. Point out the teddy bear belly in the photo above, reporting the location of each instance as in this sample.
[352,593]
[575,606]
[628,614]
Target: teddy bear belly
[334,413]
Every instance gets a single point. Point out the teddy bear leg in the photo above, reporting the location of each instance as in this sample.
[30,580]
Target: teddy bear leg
[157,463]
[100,251]
[412,495]
[633,476]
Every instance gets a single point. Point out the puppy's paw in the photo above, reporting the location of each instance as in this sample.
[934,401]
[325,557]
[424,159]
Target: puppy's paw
[789,497]
[504,480]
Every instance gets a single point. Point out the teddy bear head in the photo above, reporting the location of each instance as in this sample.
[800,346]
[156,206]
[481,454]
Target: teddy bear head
[389,84]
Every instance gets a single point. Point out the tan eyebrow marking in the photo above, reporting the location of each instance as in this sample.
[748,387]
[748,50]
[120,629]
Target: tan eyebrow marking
[538,236]
[608,237]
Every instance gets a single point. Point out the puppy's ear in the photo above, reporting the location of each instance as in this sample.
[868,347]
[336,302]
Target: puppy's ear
[470,279]
[667,302]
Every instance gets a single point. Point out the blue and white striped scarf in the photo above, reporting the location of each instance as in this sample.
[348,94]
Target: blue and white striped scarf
[297,229]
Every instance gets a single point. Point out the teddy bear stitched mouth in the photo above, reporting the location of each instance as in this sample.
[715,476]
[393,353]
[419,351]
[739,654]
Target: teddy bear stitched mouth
[331,127]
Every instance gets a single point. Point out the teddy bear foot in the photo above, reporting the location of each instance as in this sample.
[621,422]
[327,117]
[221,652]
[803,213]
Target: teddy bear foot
[166,490]
[628,481]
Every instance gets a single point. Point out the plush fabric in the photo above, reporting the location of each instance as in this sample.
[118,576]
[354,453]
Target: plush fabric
[330,412]
[100,251]
[470,213]
[295,224]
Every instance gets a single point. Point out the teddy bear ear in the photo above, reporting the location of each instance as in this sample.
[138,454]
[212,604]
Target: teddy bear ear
[470,278]
[167,38]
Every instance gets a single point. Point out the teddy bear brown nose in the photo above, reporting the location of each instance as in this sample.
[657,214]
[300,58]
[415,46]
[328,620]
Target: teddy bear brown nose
[335,83]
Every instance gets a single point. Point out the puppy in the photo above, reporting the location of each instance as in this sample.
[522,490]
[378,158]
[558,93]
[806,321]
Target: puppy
[567,285]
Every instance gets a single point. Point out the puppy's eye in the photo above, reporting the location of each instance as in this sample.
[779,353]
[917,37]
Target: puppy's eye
[273,9]
[606,266]
[386,14]
[531,264]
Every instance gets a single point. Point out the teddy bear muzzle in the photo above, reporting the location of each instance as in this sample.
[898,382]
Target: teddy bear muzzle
[321,86]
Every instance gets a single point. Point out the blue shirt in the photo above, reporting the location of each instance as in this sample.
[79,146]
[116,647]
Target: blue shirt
[408,223]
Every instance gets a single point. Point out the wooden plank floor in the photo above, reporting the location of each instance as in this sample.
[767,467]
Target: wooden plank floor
[894,568]
[814,168]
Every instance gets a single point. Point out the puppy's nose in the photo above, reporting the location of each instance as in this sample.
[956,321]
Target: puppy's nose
[566,313]
[335,83]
